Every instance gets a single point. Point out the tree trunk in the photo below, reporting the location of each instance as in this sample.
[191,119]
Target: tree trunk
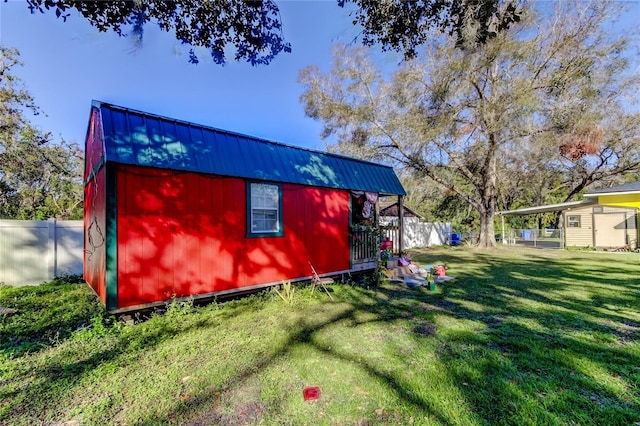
[489,199]
[487,230]
[539,223]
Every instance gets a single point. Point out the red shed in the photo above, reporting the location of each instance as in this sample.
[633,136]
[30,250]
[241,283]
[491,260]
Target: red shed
[175,209]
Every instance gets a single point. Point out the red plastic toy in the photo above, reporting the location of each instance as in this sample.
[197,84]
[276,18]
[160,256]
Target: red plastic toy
[311,393]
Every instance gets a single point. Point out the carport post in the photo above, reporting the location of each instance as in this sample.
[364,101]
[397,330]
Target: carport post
[562,227]
[503,234]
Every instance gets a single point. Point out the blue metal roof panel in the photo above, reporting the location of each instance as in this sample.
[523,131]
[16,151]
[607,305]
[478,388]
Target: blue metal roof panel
[211,152]
[138,138]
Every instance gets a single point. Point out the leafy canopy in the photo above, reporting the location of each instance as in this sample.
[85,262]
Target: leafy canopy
[38,178]
[403,26]
[252,30]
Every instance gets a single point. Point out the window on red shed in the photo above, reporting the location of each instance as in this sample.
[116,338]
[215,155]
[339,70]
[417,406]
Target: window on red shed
[264,209]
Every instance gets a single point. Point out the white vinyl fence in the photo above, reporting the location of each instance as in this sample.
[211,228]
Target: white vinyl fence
[34,251]
[426,234]
[421,234]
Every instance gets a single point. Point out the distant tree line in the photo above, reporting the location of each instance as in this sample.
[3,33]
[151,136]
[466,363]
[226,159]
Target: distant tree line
[39,178]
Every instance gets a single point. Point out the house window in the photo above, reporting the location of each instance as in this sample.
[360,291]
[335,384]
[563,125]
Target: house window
[573,221]
[264,212]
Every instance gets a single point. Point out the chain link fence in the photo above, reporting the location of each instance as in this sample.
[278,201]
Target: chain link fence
[539,238]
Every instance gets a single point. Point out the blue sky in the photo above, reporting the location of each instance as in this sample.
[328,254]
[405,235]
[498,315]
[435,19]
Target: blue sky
[66,65]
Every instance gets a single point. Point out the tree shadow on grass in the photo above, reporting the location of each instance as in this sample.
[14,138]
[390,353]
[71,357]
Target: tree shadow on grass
[546,376]
[305,333]
[519,369]
[555,356]
[46,315]
[519,365]
[39,391]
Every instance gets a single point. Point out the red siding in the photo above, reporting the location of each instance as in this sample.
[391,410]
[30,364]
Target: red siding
[182,233]
[94,234]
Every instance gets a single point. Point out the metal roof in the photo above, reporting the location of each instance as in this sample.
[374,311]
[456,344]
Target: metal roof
[625,188]
[545,209]
[143,139]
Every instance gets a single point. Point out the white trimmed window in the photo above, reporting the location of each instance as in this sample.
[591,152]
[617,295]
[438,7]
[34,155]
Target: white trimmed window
[573,221]
[265,205]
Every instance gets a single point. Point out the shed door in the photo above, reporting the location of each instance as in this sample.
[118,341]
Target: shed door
[610,229]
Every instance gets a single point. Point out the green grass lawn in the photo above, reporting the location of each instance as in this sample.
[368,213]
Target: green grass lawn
[521,337]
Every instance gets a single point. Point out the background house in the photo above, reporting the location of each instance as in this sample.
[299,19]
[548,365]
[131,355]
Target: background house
[618,215]
[606,219]
[600,226]
[176,209]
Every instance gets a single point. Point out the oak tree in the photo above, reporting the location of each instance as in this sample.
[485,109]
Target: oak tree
[548,94]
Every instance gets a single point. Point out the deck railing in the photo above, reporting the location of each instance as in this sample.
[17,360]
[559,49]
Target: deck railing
[365,244]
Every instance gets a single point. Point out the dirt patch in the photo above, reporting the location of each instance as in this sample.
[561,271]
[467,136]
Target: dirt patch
[233,408]
[406,314]
[425,330]
[246,414]
[627,331]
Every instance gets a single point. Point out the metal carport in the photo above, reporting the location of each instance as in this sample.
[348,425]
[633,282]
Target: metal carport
[543,209]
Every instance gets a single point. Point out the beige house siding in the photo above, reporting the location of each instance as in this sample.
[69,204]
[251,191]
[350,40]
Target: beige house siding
[626,226]
[591,216]
[583,235]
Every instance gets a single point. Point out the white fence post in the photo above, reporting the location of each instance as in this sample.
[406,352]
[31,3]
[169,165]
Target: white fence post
[51,248]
